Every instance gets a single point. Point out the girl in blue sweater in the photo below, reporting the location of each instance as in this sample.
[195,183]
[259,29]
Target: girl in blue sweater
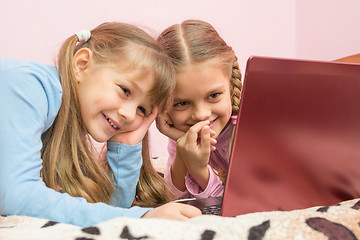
[109,84]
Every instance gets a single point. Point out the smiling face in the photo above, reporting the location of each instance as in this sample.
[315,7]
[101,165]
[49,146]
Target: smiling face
[112,102]
[202,93]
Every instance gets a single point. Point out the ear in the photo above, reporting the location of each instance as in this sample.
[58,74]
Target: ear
[82,60]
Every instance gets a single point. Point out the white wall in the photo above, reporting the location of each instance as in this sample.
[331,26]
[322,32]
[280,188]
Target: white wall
[316,29]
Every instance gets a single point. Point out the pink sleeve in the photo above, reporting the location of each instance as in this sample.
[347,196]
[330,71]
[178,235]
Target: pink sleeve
[214,187]
[167,175]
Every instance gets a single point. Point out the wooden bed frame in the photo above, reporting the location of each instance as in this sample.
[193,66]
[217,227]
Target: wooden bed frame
[351,59]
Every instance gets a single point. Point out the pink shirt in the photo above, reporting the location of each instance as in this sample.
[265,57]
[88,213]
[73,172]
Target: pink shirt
[218,159]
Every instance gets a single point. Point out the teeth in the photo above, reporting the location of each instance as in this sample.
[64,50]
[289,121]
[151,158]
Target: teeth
[212,123]
[112,124]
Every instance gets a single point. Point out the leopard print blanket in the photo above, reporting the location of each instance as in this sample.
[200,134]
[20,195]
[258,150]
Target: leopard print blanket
[341,221]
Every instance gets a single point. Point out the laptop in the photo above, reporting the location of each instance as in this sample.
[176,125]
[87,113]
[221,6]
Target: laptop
[297,139]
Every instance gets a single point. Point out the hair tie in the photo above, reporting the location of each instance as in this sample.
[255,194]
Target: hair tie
[83,35]
[233,119]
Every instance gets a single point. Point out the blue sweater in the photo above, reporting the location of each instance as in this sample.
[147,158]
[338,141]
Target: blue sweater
[30,98]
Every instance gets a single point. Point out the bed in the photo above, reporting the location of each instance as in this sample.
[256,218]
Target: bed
[340,221]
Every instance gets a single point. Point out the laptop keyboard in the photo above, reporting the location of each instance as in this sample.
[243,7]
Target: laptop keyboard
[208,206]
[211,210]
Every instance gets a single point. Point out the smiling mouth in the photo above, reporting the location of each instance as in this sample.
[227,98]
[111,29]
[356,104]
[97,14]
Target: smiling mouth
[212,122]
[111,123]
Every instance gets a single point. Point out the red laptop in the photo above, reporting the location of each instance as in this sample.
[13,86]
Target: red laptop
[297,140]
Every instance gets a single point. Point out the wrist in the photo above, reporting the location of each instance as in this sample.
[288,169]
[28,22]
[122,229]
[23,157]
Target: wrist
[178,172]
[201,176]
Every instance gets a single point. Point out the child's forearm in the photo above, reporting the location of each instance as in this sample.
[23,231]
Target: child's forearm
[178,172]
[201,176]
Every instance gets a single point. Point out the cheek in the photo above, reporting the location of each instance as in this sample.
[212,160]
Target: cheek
[223,109]
[227,106]
[134,124]
[178,118]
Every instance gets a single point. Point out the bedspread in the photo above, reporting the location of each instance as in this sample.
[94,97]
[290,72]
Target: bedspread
[340,221]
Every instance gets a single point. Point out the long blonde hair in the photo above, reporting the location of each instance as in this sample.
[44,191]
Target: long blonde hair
[195,42]
[69,164]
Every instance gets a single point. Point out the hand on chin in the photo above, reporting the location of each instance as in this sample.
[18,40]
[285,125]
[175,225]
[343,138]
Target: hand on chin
[133,137]
[128,138]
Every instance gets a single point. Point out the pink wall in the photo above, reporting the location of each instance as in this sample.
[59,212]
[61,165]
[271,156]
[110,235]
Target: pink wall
[327,29]
[321,29]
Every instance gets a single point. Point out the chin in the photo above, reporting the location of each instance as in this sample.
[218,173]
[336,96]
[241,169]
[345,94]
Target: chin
[183,128]
[99,139]
[217,133]
[218,130]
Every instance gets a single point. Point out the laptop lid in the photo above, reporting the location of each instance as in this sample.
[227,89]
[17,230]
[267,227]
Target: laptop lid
[297,140]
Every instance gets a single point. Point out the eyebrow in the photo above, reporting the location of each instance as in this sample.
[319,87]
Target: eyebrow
[179,99]
[220,87]
[215,89]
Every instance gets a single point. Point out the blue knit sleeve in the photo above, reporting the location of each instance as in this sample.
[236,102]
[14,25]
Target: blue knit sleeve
[30,97]
[125,162]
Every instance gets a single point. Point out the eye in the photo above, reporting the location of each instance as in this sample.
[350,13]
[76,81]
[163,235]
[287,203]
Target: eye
[142,111]
[180,104]
[214,96]
[125,90]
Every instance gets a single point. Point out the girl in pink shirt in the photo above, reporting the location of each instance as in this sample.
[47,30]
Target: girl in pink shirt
[206,101]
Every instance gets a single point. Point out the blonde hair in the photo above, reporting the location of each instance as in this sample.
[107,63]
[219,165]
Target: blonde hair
[197,42]
[69,164]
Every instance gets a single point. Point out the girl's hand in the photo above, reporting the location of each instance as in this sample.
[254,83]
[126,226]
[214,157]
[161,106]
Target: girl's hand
[172,210]
[136,136]
[164,125]
[194,148]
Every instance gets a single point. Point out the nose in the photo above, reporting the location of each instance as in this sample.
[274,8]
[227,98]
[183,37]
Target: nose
[201,112]
[127,111]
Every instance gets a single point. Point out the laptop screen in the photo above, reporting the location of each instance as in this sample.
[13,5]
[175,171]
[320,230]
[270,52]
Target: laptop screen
[297,138]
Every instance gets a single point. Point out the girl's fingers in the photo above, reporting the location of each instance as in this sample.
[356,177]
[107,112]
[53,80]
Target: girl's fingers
[205,137]
[193,132]
[212,133]
[154,112]
[162,120]
[172,210]
[164,125]
[151,117]
[213,141]
[189,211]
